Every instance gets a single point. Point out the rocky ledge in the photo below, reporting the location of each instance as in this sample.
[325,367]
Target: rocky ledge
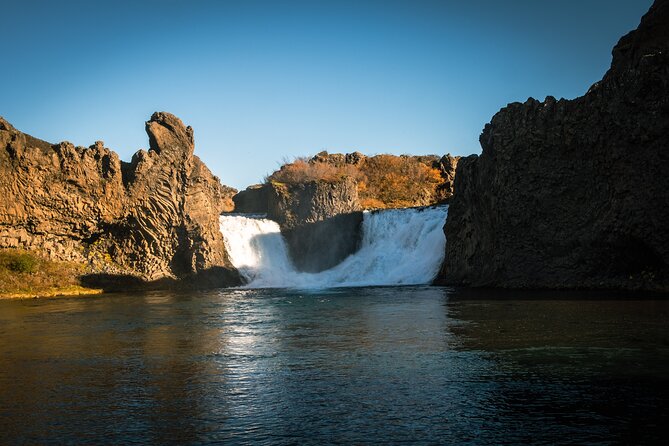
[573,193]
[150,222]
[295,204]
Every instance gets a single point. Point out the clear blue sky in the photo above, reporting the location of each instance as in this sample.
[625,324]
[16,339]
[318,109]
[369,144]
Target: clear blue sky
[262,81]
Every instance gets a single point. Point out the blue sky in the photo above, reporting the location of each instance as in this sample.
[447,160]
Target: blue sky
[262,81]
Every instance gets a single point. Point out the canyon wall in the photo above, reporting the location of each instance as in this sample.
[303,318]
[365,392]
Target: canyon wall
[152,220]
[573,193]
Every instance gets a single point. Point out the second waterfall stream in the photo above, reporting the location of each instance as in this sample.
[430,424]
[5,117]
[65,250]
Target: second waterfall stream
[398,247]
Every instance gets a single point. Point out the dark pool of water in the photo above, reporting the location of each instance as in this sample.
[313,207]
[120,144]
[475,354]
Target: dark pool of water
[367,365]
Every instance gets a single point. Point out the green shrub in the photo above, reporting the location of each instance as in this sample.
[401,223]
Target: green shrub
[25,272]
[23,263]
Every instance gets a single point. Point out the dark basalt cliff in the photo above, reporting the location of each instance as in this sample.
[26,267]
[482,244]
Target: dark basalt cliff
[573,193]
[154,219]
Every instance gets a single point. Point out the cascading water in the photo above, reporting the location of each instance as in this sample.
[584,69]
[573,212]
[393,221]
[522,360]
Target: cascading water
[399,247]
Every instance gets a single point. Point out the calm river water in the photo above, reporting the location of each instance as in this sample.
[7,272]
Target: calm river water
[358,365]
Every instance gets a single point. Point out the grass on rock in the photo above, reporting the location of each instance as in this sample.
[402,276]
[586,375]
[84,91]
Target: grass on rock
[26,274]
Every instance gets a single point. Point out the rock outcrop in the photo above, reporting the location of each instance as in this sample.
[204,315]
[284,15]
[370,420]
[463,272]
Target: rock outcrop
[447,165]
[573,193]
[153,219]
[320,220]
[383,181]
[369,167]
[292,205]
[317,201]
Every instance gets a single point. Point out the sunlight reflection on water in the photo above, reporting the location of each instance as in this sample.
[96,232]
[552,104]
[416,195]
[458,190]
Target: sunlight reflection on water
[355,365]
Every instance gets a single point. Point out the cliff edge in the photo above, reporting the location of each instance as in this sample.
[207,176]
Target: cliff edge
[573,193]
[153,220]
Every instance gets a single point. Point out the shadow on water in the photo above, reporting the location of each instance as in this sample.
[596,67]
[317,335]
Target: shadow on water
[590,366]
[103,370]
[351,365]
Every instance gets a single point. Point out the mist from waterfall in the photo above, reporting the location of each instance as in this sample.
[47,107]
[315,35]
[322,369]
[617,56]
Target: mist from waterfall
[398,247]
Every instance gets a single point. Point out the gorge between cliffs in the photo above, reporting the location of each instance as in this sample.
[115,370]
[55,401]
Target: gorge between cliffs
[514,296]
[566,194]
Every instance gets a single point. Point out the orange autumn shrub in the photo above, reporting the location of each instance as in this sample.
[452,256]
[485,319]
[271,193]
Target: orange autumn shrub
[383,181]
[302,170]
[400,181]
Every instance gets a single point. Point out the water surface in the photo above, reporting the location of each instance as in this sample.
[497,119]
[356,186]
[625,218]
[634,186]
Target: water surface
[353,365]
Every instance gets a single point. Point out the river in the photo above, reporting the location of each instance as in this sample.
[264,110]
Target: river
[413,364]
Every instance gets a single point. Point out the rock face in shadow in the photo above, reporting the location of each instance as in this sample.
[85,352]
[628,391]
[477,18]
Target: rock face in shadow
[315,247]
[573,193]
[153,219]
[320,220]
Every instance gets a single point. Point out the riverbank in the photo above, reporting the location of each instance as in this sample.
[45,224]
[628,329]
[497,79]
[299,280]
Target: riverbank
[26,275]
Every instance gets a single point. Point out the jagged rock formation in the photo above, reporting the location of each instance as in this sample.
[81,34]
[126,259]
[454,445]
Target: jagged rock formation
[573,193]
[54,197]
[155,218]
[447,165]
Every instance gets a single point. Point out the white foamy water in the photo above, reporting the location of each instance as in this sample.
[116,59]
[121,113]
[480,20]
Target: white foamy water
[399,247]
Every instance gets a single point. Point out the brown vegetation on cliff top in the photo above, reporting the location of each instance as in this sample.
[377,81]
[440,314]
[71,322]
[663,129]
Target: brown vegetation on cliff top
[383,181]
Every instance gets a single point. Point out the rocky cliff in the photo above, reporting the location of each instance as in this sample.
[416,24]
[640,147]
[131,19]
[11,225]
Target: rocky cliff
[319,219]
[294,204]
[573,193]
[153,219]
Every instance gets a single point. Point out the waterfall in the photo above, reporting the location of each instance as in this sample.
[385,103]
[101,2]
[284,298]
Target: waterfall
[398,247]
